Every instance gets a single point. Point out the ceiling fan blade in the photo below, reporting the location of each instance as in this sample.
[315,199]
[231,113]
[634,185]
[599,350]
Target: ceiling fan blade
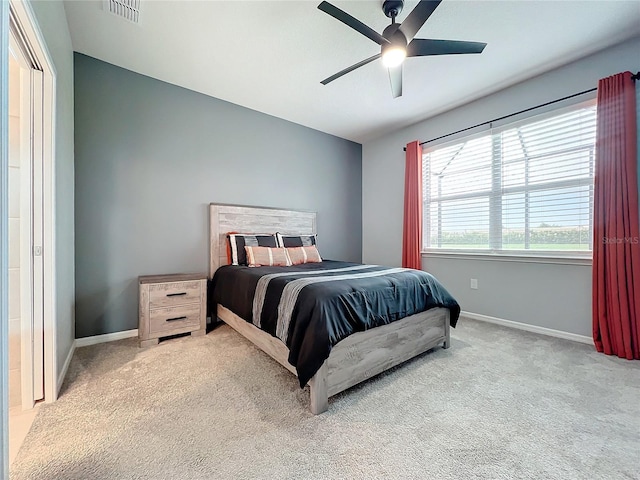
[395,76]
[421,47]
[350,69]
[417,17]
[352,22]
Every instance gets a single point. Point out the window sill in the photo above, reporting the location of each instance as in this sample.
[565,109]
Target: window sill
[570,259]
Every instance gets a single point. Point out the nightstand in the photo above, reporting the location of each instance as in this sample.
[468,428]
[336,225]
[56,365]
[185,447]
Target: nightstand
[171,304]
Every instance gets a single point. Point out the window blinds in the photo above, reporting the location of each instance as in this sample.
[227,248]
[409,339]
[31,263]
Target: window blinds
[525,186]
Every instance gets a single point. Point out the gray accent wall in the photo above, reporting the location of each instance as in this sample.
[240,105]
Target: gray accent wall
[52,21]
[521,292]
[151,156]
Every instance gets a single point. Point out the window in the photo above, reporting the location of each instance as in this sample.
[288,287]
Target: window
[525,187]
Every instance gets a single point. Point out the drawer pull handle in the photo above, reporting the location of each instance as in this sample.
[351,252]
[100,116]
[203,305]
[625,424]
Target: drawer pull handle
[174,319]
[176,294]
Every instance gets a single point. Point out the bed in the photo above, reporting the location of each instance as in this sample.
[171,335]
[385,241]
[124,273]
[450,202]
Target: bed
[354,354]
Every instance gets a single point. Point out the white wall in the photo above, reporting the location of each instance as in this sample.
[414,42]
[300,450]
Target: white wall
[52,21]
[513,291]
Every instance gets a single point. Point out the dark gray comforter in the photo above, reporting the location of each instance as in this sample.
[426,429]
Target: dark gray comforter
[311,307]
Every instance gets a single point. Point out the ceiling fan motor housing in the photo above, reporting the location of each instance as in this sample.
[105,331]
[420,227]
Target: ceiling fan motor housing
[395,36]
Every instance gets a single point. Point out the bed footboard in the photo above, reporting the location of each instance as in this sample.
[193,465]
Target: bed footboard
[366,354]
[359,356]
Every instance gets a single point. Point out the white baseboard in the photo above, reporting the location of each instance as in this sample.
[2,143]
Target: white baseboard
[107,337]
[65,367]
[529,328]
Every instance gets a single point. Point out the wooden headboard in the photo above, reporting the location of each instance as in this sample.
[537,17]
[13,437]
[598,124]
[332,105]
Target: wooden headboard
[236,218]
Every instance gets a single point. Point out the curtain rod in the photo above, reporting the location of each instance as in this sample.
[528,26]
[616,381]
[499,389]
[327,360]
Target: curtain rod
[633,77]
[507,116]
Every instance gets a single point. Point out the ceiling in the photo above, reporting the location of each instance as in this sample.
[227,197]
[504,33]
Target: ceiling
[271,55]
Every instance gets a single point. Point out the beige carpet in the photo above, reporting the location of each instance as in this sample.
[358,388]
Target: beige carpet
[500,404]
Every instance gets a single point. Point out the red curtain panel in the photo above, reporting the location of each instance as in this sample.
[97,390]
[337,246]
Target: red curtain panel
[616,246]
[412,227]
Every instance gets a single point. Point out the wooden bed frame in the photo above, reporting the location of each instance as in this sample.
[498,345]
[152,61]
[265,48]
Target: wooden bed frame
[356,358]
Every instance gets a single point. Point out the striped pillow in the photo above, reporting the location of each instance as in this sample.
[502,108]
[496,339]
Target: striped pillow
[298,255]
[267,257]
[296,240]
[237,242]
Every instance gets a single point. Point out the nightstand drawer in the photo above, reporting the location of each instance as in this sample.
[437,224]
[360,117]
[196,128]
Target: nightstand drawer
[171,318]
[175,293]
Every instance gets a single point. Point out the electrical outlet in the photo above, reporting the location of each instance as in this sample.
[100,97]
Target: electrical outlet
[474,283]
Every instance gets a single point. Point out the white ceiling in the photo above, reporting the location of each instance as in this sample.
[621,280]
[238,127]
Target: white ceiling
[271,55]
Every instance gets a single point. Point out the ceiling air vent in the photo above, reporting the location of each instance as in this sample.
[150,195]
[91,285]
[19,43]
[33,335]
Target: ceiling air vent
[127,9]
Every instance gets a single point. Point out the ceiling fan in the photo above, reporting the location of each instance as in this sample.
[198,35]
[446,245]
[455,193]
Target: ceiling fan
[397,40]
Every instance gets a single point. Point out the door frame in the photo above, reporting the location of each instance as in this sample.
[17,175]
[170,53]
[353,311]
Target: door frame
[33,41]
[4,239]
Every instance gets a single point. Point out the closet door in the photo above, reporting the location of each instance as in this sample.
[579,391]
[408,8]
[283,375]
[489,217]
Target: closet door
[31,153]
[37,253]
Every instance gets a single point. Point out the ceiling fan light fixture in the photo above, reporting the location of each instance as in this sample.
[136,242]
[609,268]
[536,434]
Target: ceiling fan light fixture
[393,56]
